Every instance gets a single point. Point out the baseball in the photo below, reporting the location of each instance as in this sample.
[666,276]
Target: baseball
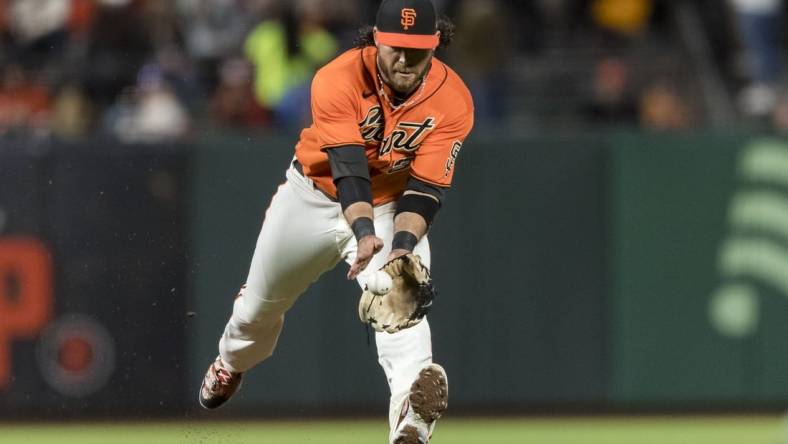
[379,282]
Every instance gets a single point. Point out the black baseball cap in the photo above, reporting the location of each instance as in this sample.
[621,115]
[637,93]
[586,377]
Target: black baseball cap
[407,24]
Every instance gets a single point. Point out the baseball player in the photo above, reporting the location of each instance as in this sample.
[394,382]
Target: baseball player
[366,181]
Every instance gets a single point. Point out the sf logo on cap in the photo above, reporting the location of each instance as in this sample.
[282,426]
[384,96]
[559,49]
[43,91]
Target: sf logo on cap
[408,18]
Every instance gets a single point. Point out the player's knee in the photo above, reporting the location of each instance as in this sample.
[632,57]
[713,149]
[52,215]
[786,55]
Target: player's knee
[259,321]
[253,306]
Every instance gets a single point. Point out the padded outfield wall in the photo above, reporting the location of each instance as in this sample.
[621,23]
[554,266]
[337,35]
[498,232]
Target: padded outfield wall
[574,272]
[92,279]
[518,260]
[699,255]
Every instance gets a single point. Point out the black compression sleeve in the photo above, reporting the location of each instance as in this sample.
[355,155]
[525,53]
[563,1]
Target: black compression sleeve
[421,186]
[425,206]
[348,161]
[350,170]
[352,189]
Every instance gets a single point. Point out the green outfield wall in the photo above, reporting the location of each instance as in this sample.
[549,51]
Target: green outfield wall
[617,270]
[699,269]
[518,259]
[575,272]
[93,283]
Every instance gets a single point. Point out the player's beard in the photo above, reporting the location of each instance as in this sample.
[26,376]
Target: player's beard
[403,81]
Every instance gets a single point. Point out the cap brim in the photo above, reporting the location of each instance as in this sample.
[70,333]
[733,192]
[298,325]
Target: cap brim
[416,41]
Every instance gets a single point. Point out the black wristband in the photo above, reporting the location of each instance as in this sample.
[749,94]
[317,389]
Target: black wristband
[404,240]
[363,226]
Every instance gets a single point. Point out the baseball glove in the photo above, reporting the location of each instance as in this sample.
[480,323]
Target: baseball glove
[408,301]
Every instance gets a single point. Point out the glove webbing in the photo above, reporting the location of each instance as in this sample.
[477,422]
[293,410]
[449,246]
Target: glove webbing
[426,296]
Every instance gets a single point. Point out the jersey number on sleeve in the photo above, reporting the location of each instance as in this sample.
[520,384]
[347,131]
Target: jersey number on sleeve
[455,151]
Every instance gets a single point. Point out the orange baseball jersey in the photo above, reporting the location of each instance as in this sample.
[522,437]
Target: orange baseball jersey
[420,138]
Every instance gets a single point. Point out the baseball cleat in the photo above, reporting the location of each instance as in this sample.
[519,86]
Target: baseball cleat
[429,394]
[408,435]
[219,385]
[428,399]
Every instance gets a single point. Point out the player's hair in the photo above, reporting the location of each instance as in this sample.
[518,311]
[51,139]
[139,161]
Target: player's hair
[445,26]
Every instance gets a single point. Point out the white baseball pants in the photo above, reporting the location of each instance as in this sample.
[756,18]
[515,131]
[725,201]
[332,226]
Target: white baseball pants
[304,234]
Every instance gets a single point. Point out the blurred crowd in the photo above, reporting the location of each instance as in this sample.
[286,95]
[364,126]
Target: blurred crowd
[150,70]
[665,65]
[147,70]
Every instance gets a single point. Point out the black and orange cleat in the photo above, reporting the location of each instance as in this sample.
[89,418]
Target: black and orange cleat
[219,385]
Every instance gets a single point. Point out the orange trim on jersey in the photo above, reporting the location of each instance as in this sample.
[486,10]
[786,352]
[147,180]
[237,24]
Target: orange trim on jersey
[417,41]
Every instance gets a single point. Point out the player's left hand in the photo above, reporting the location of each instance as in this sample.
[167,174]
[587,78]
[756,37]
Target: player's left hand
[368,246]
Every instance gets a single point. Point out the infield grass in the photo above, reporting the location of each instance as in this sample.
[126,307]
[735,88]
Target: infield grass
[619,430]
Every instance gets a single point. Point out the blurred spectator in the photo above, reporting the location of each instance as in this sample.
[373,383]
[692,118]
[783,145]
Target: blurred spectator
[480,53]
[38,28]
[212,29]
[161,22]
[286,51]
[624,17]
[180,73]
[118,46]
[780,116]
[759,26]
[24,103]
[151,113]
[233,103]
[662,108]
[612,99]
[72,113]
[342,20]
[81,16]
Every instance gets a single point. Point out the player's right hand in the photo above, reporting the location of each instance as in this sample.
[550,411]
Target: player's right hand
[368,246]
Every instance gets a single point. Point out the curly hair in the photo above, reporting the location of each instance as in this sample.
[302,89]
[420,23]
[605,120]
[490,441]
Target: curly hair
[444,24]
